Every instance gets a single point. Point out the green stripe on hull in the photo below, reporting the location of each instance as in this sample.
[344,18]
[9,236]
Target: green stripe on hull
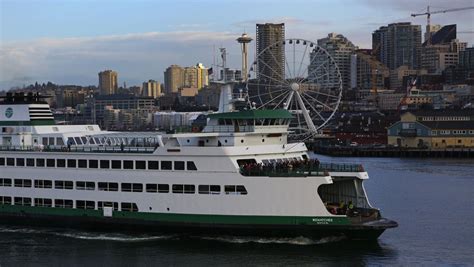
[183,218]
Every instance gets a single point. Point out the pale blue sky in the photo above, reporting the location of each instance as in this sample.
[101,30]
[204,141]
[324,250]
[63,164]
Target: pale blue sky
[70,41]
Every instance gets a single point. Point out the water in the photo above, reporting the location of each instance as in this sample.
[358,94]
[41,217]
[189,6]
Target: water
[431,199]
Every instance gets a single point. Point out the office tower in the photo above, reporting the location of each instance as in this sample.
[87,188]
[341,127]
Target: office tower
[340,49]
[271,65]
[108,82]
[367,73]
[398,44]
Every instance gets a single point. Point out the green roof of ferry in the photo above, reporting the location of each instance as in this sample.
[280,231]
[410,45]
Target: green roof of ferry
[254,114]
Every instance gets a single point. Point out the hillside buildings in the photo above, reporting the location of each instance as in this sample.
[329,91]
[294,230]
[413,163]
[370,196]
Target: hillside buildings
[108,82]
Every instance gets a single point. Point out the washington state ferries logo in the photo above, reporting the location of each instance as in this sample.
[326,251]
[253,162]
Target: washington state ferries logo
[9,112]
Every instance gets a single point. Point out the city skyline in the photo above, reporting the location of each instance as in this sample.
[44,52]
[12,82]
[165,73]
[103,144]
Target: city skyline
[69,42]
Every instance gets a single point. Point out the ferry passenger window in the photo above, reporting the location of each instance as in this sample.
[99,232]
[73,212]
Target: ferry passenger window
[23,201]
[242,162]
[20,162]
[63,203]
[93,164]
[61,163]
[178,188]
[128,164]
[163,188]
[51,141]
[102,204]
[129,207]
[179,165]
[45,141]
[104,164]
[84,140]
[82,185]
[235,190]
[50,163]
[166,165]
[43,184]
[82,163]
[108,186]
[116,164]
[140,165]
[71,163]
[30,162]
[126,187]
[186,188]
[10,162]
[39,162]
[85,204]
[59,141]
[91,141]
[22,183]
[153,165]
[209,189]
[71,141]
[63,185]
[151,188]
[189,189]
[5,182]
[2,161]
[43,202]
[5,200]
[191,166]
[78,140]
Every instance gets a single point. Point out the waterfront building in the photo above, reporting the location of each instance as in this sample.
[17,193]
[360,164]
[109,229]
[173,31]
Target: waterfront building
[340,49]
[267,35]
[151,88]
[398,44]
[433,129]
[174,79]
[108,82]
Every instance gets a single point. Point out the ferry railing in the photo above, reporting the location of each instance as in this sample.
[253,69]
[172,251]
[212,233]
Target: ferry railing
[85,149]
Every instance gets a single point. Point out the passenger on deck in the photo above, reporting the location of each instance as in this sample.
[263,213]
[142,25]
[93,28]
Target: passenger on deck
[342,208]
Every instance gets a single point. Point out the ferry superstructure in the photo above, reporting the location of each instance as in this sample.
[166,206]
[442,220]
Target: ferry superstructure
[226,179]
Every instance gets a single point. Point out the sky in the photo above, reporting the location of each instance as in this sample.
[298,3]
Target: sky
[70,41]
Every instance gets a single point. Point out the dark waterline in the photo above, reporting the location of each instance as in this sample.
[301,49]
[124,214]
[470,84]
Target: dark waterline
[431,199]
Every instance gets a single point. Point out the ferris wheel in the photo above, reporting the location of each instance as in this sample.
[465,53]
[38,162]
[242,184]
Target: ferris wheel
[301,77]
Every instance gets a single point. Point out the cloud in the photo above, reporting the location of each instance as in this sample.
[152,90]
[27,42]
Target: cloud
[137,57]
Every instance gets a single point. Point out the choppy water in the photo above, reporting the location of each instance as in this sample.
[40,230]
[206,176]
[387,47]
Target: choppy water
[431,199]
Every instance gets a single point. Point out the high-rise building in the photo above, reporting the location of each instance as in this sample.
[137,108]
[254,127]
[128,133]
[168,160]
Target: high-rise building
[108,82]
[270,65]
[398,44]
[151,88]
[437,57]
[466,59]
[340,49]
[367,73]
[431,29]
[174,79]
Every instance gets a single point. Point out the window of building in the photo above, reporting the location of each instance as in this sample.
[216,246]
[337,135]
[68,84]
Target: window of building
[10,162]
[5,182]
[23,201]
[104,186]
[82,163]
[128,164]
[105,164]
[85,204]
[153,165]
[191,166]
[63,203]
[209,189]
[235,190]
[22,183]
[166,165]
[71,163]
[43,184]
[61,163]
[43,202]
[39,162]
[183,188]
[126,206]
[116,164]
[83,185]
[179,165]
[93,164]
[102,204]
[20,162]
[5,200]
[63,185]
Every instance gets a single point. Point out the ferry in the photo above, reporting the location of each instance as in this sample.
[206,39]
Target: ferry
[238,176]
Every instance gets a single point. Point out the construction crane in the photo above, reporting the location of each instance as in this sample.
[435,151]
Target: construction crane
[428,14]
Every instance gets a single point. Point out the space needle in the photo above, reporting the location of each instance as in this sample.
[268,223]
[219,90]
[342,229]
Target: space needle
[244,40]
